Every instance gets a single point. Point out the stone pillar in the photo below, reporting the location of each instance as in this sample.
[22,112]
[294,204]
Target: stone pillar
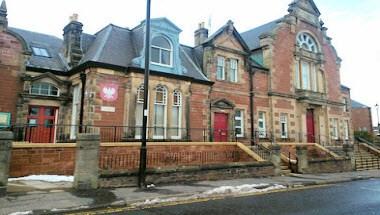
[276,158]
[349,152]
[302,162]
[6,138]
[86,172]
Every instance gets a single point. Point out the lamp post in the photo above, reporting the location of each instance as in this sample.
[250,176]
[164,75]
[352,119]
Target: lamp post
[378,122]
[143,149]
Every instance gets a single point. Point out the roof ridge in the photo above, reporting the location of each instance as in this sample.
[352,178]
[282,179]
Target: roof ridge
[34,32]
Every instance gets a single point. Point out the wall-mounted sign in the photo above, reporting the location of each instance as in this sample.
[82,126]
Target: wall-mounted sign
[107,109]
[5,119]
[108,91]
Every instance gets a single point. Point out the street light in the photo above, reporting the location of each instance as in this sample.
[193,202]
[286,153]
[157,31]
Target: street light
[143,149]
[378,122]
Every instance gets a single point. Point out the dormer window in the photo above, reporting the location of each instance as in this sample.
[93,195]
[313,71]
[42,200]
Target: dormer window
[161,51]
[43,89]
[42,52]
[306,42]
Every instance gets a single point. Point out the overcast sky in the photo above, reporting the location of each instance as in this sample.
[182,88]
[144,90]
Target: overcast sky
[354,26]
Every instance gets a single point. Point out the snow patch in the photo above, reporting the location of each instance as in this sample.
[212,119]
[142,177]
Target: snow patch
[21,213]
[48,178]
[241,189]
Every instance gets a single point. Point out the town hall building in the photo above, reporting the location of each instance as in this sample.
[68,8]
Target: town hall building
[276,82]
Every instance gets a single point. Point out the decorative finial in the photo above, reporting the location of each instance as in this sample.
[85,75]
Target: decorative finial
[74,17]
[3,8]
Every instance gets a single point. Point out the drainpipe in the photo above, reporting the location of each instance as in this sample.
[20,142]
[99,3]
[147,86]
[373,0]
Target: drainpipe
[251,105]
[83,78]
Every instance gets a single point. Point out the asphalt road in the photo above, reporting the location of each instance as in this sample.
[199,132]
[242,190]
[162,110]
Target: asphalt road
[360,197]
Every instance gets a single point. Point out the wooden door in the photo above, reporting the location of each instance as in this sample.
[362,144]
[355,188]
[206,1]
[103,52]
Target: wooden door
[41,124]
[310,126]
[220,127]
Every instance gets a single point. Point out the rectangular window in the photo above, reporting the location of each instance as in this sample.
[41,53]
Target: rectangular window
[155,55]
[220,69]
[297,80]
[345,105]
[261,125]
[334,129]
[346,130]
[40,52]
[159,121]
[314,79]
[305,75]
[284,125]
[233,70]
[239,123]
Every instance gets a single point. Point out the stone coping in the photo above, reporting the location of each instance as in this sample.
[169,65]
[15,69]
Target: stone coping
[110,174]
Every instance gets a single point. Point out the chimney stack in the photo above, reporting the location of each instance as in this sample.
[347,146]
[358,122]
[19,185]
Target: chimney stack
[3,16]
[72,34]
[201,34]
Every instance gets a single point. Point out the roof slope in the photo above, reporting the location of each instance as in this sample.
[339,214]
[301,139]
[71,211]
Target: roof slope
[51,43]
[355,104]
[252,37]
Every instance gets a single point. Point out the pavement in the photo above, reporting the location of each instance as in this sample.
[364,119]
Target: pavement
[39,197]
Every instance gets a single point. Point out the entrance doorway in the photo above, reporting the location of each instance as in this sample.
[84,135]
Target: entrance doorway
[41,124]
[220,127]
[310,126]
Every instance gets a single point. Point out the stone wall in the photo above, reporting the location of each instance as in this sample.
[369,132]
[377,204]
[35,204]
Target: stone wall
[191,174]
[329,166]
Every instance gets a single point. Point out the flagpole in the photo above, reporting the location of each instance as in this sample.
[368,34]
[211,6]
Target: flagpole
[143,149]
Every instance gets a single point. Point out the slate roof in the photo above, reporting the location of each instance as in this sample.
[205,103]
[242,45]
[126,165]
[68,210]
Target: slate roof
[355,104]
[51,43]
[252,37]
[112,45]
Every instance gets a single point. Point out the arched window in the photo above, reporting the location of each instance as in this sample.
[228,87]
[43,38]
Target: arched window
[307,42]
[175,125]
[159,123]
[43,89]
[139,111]
[161,51]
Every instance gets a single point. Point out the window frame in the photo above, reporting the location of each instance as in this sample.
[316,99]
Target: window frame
[162,103]
[335,129]
[241,119]
[50,89]
[40,52]
[140,104]
[160,49]
[262,131]
[220,64]
[284,125]
[346,130]
[178,94]
[234,64]
[305,39]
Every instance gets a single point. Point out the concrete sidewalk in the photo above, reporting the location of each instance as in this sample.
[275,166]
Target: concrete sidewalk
[44,197]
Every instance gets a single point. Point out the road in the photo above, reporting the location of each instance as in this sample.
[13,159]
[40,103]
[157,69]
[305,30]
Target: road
[360,197]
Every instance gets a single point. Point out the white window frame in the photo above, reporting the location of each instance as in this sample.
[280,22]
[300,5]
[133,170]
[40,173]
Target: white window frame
[263,130]
[234,70]
[164,104]
[346,130]
[284,125]
[41,52]
[241,119]
[160,53]
[220,65]
[74,112]
[179,106]
[335,129]
[307,42]
[140,102]
[39,93]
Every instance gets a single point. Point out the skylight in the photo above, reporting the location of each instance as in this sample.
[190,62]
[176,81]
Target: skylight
[40,52]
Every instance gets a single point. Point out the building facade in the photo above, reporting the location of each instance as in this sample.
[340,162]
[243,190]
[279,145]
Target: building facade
[277,82]
[361,117]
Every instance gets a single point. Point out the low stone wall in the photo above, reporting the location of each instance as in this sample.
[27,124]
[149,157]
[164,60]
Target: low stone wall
[189,174]
[59,159]
[329,166]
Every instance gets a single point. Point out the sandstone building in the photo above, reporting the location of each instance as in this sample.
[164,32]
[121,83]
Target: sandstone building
[279,82]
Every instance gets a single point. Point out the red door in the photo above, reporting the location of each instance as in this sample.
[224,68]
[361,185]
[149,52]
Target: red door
[220,127]
[310,126]
[41,124]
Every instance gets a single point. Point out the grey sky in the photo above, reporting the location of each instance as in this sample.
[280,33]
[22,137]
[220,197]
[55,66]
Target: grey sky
[354,26]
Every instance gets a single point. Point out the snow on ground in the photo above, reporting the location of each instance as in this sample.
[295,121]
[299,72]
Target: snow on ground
[234,190]
[48,178]
[21,213]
